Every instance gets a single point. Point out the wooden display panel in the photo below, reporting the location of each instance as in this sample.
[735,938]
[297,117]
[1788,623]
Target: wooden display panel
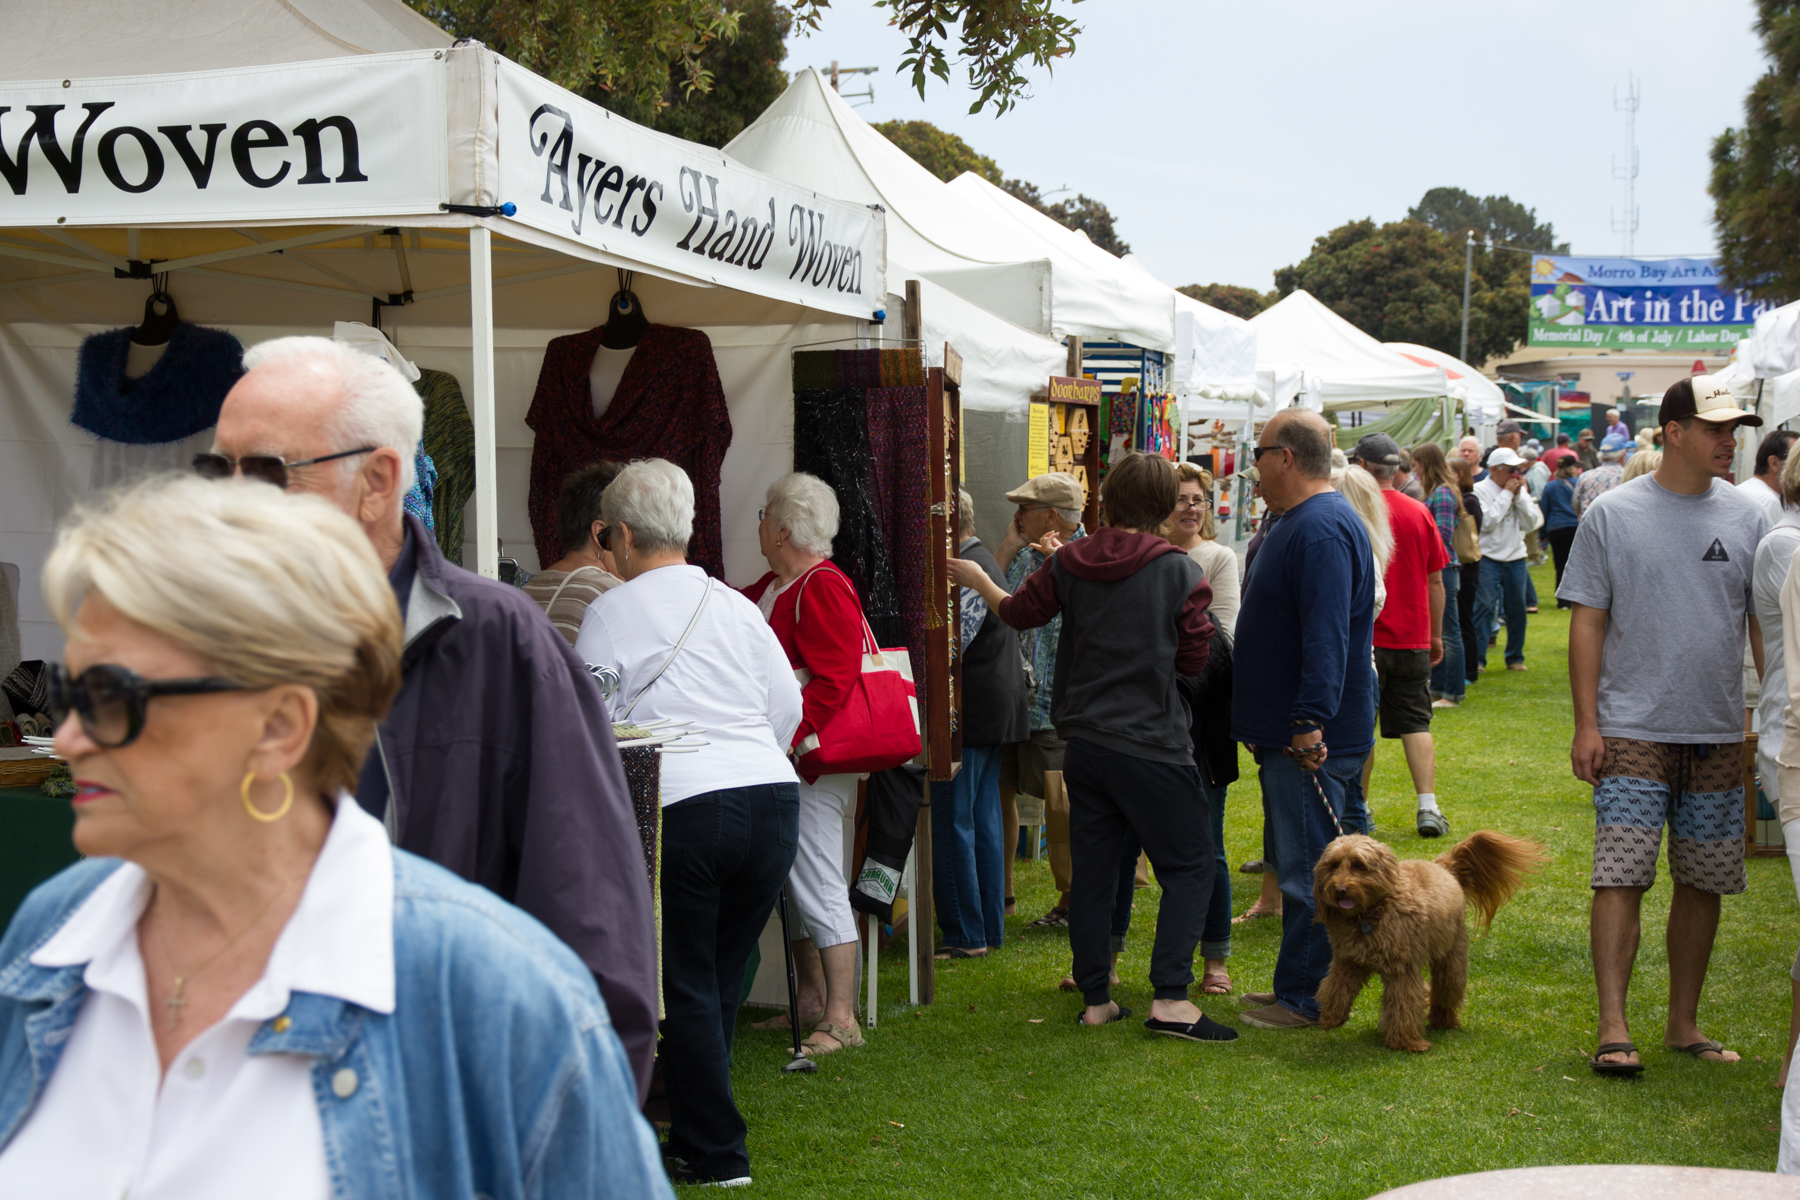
[1075,436]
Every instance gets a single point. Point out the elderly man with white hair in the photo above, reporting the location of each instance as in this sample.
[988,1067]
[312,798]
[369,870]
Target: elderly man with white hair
[497,759]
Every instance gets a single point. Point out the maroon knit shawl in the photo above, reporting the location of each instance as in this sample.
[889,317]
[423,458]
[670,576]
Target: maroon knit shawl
[670,405]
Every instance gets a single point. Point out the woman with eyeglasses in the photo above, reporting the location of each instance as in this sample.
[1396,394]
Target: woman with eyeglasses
[567,586]
[244,989]
[1192,529]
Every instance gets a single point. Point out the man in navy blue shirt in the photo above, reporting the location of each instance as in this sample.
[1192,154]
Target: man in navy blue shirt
[1303,691]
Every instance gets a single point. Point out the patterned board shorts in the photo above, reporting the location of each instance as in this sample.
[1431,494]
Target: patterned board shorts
[1698,791]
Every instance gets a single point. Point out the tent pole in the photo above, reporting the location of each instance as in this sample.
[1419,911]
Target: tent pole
[481,341]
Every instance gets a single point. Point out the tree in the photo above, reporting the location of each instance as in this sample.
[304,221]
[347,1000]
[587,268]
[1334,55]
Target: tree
[746,74]
[1499,219]
[624,46]
[1756,169]
[939,151]
[1228,297]
[1403,282]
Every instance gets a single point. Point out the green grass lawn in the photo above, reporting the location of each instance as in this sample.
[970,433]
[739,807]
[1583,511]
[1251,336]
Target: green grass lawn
[993,1091]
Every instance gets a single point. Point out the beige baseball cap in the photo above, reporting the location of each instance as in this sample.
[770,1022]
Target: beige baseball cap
[1704,396]
[1055,489]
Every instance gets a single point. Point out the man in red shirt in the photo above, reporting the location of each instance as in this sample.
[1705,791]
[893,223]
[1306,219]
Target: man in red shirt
[1409,629]
[1553,457]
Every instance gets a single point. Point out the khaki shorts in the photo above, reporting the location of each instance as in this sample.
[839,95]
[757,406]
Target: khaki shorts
[1022,764]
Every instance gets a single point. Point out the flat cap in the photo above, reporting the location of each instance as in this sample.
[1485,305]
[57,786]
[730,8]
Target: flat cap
[1056,489]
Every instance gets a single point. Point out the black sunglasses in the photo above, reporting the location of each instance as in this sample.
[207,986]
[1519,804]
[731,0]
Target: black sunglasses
[266,467]
[111,699]
[1256,452]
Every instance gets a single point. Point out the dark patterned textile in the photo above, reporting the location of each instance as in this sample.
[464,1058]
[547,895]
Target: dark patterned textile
[669,404]
[860,425]
[176,398]
[449,438]
[643,774]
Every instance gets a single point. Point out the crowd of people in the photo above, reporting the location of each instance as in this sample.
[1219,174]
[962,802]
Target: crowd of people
[365,907]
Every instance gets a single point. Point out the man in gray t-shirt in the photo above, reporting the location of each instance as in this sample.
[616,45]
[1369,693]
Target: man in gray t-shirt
[1660,577]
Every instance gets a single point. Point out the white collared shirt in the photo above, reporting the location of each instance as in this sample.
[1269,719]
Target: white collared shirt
[1506,517]
[1765,496]
[221,1124]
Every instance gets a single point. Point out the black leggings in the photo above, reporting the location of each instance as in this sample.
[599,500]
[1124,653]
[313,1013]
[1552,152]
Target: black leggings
[1560,540]
[1465,611]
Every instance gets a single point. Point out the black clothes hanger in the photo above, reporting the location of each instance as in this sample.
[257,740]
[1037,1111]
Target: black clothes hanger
[157,326]
[625,319]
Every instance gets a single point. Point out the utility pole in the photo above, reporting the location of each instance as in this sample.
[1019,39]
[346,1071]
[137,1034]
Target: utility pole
[1628,224]
[1468,268]
[834,72]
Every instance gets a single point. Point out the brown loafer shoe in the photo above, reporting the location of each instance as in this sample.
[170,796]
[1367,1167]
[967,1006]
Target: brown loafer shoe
[1256,999]
[1274,1016]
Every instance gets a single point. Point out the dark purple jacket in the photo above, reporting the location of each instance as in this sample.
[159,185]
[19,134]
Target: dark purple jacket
[501,762]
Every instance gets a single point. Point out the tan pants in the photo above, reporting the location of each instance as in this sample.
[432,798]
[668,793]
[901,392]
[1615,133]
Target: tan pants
[1532,550]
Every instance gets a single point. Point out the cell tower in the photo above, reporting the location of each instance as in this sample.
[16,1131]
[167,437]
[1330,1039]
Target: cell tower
[1628,104]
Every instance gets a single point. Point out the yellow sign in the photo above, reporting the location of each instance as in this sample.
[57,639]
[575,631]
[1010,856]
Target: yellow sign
[1037,442]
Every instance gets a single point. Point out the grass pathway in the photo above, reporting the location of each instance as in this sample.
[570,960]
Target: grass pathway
[993,1091]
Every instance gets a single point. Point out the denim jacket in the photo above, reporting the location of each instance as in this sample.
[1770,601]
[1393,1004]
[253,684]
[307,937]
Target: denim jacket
[497,1075]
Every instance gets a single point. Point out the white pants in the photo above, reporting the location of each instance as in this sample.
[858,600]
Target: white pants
[817,887]
[1788,1161]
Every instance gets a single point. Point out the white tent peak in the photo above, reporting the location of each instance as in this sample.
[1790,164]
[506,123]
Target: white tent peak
[81,38]
[1344,367]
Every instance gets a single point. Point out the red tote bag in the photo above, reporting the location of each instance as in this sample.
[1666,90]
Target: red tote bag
[878,725]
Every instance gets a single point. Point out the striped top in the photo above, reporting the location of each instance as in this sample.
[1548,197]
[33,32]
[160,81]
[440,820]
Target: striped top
[567,607]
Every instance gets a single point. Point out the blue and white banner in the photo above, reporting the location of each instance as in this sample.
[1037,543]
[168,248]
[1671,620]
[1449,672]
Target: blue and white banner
[1676,304]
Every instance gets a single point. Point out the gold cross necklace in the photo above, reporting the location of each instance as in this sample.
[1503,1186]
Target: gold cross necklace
[177,999]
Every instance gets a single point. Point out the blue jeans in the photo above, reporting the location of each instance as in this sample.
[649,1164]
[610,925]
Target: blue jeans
[1447,677]
[1502,583]
[968,853]
[1302,829]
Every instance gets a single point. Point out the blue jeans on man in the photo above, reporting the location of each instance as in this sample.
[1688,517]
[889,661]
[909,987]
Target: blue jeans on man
[1447,677]
[1301,829]
[1502,586]
[968,853]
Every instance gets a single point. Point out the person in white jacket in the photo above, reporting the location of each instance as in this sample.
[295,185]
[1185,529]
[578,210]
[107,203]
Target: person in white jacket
[1508,513]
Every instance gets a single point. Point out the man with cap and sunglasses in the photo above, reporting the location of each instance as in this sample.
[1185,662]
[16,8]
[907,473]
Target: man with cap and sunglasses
[1507,513]
[1409,632]
[1048,503]
[1660,576]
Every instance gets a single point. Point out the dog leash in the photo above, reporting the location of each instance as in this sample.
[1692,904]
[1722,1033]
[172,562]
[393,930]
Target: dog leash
[1318,788]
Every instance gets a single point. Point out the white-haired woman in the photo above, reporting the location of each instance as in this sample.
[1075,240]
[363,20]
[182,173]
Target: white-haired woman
[815,612]
[244,985]
[688,648]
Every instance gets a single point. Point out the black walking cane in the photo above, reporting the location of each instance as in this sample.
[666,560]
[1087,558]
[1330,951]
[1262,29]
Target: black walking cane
[799,1062]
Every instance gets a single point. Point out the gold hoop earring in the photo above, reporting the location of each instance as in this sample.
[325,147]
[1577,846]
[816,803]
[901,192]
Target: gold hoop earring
[287,801]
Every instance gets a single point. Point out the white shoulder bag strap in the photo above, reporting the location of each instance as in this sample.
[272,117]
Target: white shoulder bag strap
[692,621]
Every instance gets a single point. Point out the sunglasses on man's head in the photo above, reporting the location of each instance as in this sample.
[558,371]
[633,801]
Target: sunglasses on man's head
[266,467]
[111,700]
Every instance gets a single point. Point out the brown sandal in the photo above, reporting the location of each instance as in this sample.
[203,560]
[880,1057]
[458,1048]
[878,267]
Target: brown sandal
[1216,983]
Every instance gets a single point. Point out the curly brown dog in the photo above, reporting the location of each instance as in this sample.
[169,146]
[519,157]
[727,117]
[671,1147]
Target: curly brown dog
[1393,918]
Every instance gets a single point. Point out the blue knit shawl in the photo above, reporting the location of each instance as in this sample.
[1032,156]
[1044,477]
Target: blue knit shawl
[176,398]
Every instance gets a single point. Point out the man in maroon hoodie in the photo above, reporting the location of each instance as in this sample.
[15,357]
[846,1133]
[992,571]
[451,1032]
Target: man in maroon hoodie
[1134,618]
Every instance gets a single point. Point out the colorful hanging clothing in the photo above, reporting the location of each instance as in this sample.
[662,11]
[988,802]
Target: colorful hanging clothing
[418,501]
[449,439]
[860,425]
[669,404]
[176,398]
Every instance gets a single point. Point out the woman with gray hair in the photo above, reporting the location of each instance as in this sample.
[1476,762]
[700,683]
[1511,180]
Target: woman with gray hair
[244,984]
[816,614]
[691,650]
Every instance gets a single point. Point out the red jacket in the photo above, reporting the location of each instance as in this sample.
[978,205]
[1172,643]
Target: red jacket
[824,638]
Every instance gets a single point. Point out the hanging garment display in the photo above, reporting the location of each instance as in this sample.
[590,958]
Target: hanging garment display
[449,440]
[669,404]
[177,398]
[860,424]
[418,501]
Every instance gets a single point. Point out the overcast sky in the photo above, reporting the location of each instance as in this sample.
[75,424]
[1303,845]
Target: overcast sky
[1226,137]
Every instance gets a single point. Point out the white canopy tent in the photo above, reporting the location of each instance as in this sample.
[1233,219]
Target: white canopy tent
[443,173]
[812,138]
[1482,398]
[1341,366]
